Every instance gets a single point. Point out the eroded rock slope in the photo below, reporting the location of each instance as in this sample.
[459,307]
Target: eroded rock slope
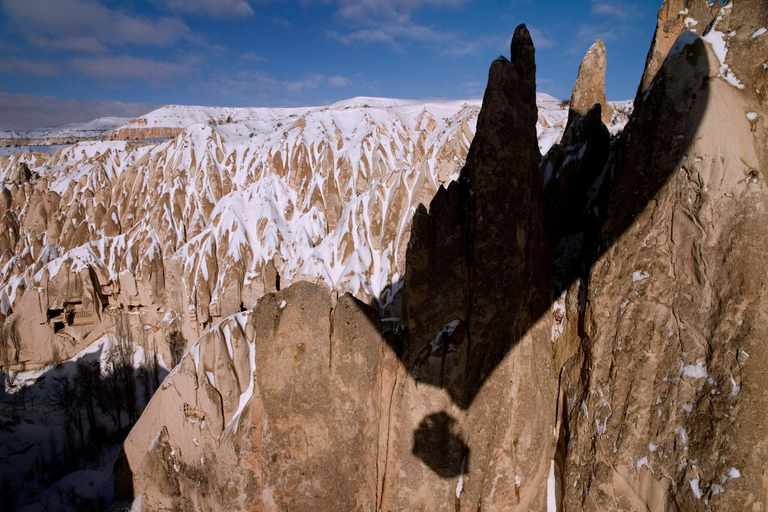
[186,232]
[582,331]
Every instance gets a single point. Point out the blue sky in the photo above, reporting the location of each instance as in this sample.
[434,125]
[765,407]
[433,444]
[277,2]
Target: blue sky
[72,60]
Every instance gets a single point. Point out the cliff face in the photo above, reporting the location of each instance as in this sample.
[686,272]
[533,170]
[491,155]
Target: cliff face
[272,410]
[426,412]
[589,88]
[583,331]
[661,402]
[144,133]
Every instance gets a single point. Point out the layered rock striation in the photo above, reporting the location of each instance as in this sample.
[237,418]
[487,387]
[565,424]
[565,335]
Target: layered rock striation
[579,331]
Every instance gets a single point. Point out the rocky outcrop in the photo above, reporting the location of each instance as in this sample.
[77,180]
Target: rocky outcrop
[674,18]
[161,230]
[569,171]
[417,430]
[579,332]
[153,133]
[22,174]
[277,409]
[589,89]
[583,331]
[98,129]
[476,293]
[655,409]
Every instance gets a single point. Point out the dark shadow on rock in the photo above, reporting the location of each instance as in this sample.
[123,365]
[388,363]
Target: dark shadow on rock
[498,245]
[438,443]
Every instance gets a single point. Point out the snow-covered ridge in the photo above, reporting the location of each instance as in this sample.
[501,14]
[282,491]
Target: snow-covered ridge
[196,228]
[99,127]
[182,116]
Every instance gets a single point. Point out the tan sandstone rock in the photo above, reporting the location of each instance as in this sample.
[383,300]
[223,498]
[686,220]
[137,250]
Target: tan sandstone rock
[589,89]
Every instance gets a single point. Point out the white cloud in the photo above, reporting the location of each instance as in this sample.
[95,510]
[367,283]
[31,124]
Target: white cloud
[258,88]
[313,81]
[588,33]
[214,8]
[367,35]
[252,57]
[398,32]
[77,44]
[16,66]
[474,89]
[613,9]
[23,111]
[126,67]
[247,87]
[461,50]
[279,22]
[540,39]
[89,26]
[339,81]
[365,10]
[389,22]
[218,49]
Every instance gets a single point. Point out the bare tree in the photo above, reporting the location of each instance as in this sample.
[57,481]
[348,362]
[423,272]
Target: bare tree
[121,361]
[87,378]
[110,398]
[70,448]
[176,344]
[24,395]
[149,369]
[42,417]
[64,398]
[73,501]
[10,346]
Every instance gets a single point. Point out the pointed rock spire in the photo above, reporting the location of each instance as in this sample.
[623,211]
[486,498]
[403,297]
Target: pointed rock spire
[522,54]
[674,18]
[589,88]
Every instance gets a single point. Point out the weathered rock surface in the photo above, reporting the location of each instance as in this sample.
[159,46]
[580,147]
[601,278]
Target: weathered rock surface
[658,412]
[187,232]
[190,231]
[583,331]
[674,18]
[579,332]
[407,437]
[486,337]
[589,89]
[130,133]
[273,410]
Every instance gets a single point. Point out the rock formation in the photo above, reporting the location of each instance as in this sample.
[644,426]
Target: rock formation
[426,414]
[595,343]
[589,88]
[275,409]
[98,129]
[655,404]
[579,331]
[160,229]
[674,18]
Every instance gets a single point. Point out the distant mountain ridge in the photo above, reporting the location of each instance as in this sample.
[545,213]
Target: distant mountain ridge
[74,132]
[168,121]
